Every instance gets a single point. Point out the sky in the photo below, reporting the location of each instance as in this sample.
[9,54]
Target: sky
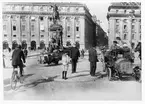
[99,9]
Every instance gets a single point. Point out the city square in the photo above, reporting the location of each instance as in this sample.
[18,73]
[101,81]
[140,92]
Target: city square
[48,30]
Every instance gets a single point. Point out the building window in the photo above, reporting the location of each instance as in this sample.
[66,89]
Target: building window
[4,27]
[117,20]
[78,36]
[117,11]
[32,27]
[33,35]
[77,28]
[140,37]
[117,27]
[23,27]
[22,8]
[41,8]
[68,28]
[23,18]
[24,36]
[133,27]
[125,37]
[41,18]
[133,20]
[13,8]
[125,11]
[132,45]
[14,35]
[125,27]
[50,19]
[77,9]
[14,28]
[42,27]
[42,36]
[68,9]
[132,36]
[125,20]
[68,36]
[33,18]
[5,35]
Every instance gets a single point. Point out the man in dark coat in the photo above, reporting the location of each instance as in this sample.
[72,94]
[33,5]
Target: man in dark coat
[25,53]
[93,59]
[17,58]
[75,54]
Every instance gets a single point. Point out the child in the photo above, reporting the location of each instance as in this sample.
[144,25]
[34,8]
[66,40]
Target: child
[65,63]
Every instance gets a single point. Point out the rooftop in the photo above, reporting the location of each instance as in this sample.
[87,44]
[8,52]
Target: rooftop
[125,5]
[45,3]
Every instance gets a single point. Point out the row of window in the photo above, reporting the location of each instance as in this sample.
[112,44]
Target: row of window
[125,20]
[67,9]
[132,37]
[125,28]
[42,36]
[41,28]
[125,11]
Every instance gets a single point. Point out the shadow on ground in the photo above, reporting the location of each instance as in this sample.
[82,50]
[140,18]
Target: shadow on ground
[51,65]
[39,81]
[97,75]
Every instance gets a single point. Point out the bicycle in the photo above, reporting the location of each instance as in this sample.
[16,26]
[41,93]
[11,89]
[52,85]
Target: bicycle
[15,78]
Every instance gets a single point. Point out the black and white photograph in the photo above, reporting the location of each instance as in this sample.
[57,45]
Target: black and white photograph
[71,50]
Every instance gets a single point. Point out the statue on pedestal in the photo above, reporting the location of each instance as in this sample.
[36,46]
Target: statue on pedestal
[55,15]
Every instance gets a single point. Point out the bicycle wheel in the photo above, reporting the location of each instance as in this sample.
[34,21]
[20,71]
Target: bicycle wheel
[13,80]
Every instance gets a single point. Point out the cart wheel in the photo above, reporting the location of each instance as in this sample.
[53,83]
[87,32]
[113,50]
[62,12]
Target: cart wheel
[109,74]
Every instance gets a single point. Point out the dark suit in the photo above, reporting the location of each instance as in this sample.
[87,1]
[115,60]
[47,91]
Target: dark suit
[75,54]
[93,59]
[17,57]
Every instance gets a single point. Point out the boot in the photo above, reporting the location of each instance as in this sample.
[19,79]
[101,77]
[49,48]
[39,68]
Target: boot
[65,75]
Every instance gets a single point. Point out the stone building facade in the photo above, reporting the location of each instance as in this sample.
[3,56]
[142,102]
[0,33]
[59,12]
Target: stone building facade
[124,21]
[28,24]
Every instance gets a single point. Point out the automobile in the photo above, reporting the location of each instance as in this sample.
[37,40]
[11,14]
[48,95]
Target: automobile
[119,64]
[53,57]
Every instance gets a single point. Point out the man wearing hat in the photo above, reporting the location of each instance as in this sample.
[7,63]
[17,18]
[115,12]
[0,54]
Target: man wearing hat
[93,60]
[114,46]
[17,57]
[75,54]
